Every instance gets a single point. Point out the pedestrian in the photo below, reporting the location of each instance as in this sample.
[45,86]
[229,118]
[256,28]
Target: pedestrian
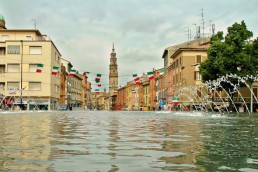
[70,107]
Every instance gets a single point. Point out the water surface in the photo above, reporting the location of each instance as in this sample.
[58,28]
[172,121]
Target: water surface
[127,141]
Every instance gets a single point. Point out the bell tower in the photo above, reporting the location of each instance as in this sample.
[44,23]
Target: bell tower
[113,72]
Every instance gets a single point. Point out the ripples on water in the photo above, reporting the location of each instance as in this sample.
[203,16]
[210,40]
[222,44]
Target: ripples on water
[127,141]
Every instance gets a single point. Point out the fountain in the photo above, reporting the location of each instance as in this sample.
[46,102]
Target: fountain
[212,96]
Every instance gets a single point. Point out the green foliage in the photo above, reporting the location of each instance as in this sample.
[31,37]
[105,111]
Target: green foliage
[232,54]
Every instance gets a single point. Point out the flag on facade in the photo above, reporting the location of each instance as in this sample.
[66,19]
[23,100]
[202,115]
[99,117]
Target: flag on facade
[116,90]
[135,75]
[55,70]
[39,68]
[99,85]
[150,75]
[196,64]
[72,72]
[162,71]
[182,67]
[133,91]
[85,73]
[137,80]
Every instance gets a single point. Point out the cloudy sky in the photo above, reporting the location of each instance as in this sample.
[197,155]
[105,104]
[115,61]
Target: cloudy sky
[84,30]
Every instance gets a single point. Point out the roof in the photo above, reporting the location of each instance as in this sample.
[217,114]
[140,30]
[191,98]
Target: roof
[188,44]
[188,49]
[23,30]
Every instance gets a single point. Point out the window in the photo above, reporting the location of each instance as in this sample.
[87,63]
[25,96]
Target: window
[35,86]
[57,88]
[13,84]
[5,37]
[33,67]
[198,59]
[13,49]
[197,75]
[2,68]
[28,38]
[13,67]
[35,50]
[12,87]
[2,85]
[2,50]
[199,93]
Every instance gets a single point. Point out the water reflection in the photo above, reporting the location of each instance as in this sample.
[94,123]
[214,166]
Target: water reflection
[127,141]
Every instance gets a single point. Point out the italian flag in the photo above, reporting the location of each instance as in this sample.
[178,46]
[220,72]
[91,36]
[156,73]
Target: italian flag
[97,91]
[133,91]
[150,75]
[175,100]
[196,64]
[182,67]
[137,80]
[116,90]
[55,70]
[97,79]
[85,73]
[39,68]
[72,72]
[162,71]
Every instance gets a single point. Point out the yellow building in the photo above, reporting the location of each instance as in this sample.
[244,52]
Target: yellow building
[185,71]
[146,94]
[77,91]
[20,52]
[65,82]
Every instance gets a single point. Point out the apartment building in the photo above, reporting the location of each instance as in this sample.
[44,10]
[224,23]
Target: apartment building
[185,72]
[77,90]
[120,99]
[21,50]
[65,85]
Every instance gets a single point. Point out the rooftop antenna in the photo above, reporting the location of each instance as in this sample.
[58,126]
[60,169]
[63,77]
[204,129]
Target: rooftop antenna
[188,33]
[213,29]
[195,30]
[202,23]
[210,25]
[35,23]
[198,32]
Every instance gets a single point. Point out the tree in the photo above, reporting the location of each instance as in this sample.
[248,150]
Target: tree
[233,54]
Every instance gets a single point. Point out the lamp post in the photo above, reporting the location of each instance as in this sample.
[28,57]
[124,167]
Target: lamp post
[21,71]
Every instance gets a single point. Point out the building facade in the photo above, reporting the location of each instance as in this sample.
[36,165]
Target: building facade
[20,53]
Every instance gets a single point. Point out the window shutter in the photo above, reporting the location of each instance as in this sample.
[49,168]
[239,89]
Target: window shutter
[13,68]
[198,59]
[36,50]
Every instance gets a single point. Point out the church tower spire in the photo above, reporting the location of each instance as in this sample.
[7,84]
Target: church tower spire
[113,72]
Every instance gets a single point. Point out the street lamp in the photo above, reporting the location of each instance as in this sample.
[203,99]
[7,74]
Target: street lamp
[21,71]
